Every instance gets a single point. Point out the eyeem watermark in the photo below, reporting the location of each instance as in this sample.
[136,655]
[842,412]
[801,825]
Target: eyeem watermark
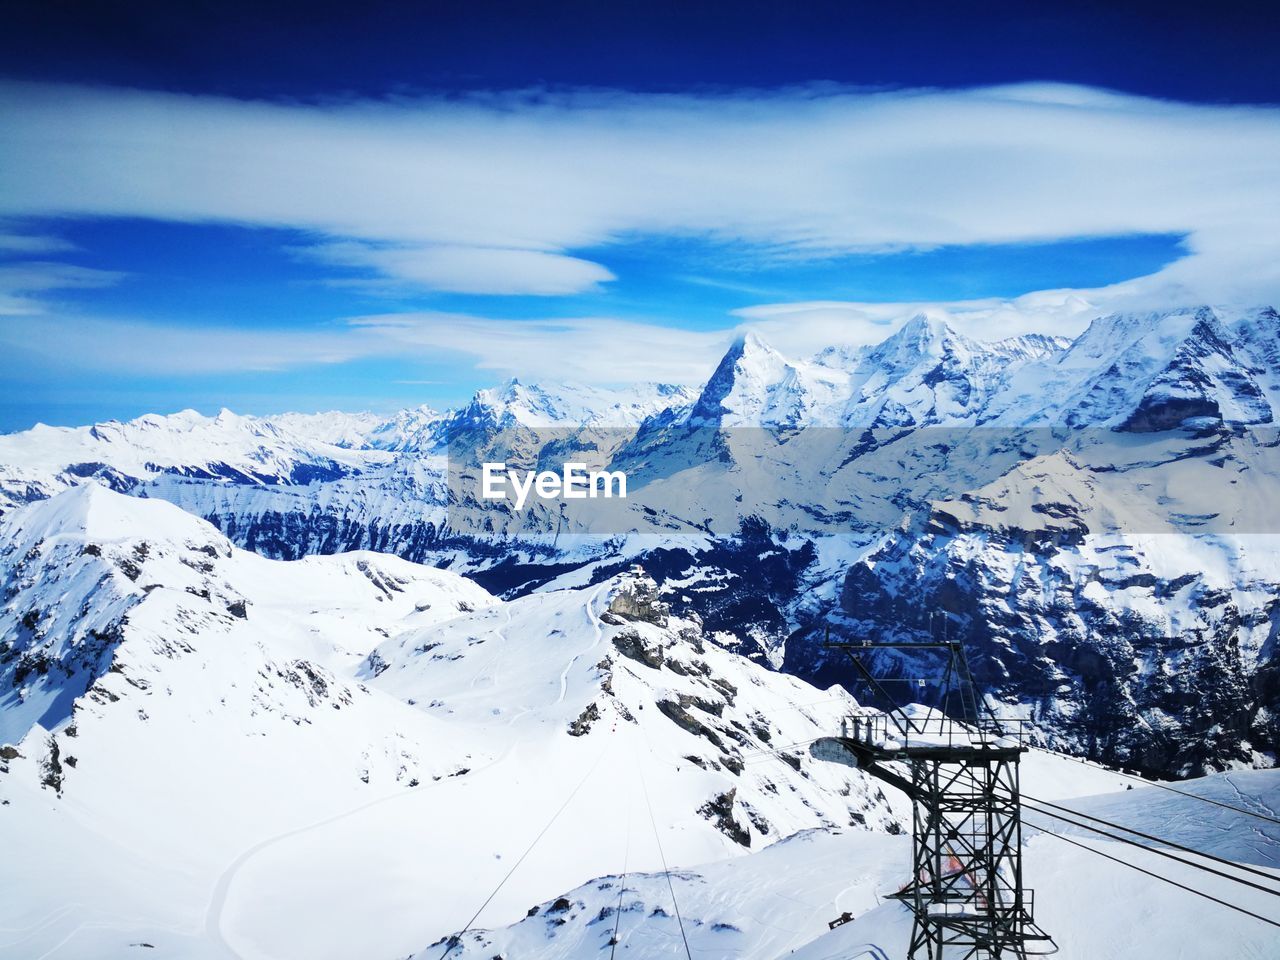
[573,482]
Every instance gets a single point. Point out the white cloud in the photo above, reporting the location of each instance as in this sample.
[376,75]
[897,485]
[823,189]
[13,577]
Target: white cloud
[589,350]
[594,350]
[159,349]
[22,282]
[584,349]
[22,244]
[466,269]
[494,193]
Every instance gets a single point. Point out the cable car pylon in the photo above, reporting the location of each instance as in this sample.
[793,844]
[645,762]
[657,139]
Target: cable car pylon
[959,766]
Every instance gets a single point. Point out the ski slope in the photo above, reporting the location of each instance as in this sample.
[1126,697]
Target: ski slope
[222,755]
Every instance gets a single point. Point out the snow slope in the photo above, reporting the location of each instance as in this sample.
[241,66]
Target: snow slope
[223,755]
[1095,908]
[777,903]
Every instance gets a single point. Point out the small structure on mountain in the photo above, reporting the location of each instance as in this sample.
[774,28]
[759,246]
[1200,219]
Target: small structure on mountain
[840,921]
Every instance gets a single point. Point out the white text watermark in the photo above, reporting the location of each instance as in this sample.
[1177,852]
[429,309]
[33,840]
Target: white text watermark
[574,482]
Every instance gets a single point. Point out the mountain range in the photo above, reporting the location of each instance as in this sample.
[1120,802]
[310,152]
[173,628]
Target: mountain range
[284,686]
[1094,517]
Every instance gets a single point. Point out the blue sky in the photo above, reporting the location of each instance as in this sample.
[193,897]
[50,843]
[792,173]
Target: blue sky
[309,208]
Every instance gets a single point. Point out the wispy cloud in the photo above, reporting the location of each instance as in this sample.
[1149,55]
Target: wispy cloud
[500,194]
[465,269]
[25,244]
[494,193]
[22,282]
[586,349]
[590,350]
[170,350]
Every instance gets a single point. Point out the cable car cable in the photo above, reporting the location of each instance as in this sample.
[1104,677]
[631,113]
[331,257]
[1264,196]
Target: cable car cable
[670,885]
[1164,786]
[622,887]
[1157,852]
[456,939]
[1149,873]
[1160,840]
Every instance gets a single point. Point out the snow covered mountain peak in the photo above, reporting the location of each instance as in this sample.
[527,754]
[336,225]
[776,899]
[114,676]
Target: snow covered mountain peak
[568,405]
[925,333]
[928,374]
[1031,346]
[228,448]
[91,572]
[349,431]
[94,514]
[412,429]
[754,385]
[1143,372]
[924,373]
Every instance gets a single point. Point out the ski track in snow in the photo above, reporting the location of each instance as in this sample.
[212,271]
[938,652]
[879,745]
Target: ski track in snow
[218,899]
[489,676]
[52,918]
[94,925]
[588,608]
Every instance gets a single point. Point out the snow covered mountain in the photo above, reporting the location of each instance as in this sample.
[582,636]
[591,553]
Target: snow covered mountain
[356,756]
[1147,651]
[239,719]
[1191,363]
[1147,372]
[215,752]
[295,449]
[226,449]
[778,902]
[763,499]
[516,405]
[862,456]
[925,374]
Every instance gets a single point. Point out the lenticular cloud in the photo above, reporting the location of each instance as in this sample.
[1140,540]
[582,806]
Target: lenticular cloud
[801,171]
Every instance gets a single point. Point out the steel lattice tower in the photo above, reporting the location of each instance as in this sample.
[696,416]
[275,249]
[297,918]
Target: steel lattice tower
[965,891]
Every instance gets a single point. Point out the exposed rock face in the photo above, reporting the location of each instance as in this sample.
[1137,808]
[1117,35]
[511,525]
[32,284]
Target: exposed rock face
[1207,378]
[51,768]
[631,645]
[637,600]
[720,811]
[581,725]
[1116,656]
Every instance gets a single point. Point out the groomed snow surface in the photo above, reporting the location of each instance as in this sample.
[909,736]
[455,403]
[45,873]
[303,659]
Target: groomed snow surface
[217,755]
